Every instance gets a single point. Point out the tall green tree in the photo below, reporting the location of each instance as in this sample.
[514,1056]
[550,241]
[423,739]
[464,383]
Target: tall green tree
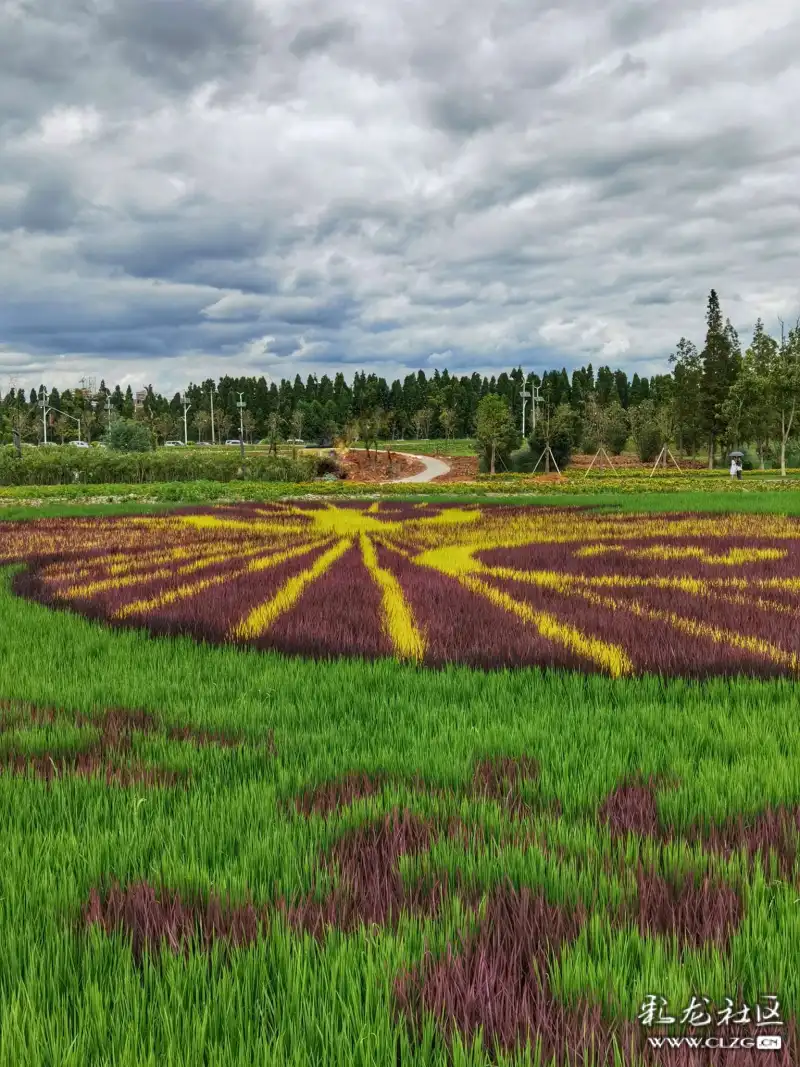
[688,376]
[785,389]
[747,409]
[645,430]
[721,361]
[495,431]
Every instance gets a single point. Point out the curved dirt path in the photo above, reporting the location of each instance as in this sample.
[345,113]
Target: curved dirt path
[434,468]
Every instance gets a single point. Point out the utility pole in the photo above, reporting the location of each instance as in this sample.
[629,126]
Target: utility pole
[45,396]
[525,395]
[211,394]
[186,406]
[241,406]
[536,399]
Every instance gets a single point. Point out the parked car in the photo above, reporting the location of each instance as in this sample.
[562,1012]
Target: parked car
[79,444]
[173,444]
[233,441]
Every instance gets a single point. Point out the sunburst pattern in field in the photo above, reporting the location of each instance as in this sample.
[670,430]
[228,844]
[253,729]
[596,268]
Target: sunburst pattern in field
[489,586]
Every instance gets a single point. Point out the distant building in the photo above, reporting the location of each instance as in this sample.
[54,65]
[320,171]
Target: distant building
[139,399]
[87,389]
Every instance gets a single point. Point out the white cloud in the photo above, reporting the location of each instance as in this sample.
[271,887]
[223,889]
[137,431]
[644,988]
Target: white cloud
[233,305]
[69,126]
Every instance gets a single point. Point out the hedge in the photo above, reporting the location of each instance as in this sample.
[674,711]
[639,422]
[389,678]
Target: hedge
[65,466]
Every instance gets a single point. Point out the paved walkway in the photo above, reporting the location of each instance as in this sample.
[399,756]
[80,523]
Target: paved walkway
[434,468]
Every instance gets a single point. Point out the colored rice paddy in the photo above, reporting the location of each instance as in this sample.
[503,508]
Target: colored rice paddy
[483,585]
[427,784]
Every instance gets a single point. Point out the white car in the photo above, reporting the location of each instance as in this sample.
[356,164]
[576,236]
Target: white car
[173,444]
[79,444]
[233,441]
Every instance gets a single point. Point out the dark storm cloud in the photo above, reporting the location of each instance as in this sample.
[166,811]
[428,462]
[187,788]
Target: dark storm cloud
[49,205]
[320,37]
[172,247]
[182,43]
[332,315]
[282,348]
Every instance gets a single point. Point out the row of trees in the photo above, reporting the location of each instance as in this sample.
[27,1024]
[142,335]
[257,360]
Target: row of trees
[711,399]
[714,399]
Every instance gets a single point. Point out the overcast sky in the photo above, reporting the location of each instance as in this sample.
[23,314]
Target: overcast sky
[192,188]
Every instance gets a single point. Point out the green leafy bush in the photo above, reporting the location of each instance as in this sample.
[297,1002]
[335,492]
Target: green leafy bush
[127,435]
[561,433]
[645,431]
[65,465]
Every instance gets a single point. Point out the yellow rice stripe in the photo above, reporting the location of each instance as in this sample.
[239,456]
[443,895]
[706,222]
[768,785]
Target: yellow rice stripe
[712,588]
[93,588]
[577,586]
[732,557]
[180,592]
[143,577]
[210,522]
[398,619]
[121,563]
[261,618]
[610,657]
[695,628]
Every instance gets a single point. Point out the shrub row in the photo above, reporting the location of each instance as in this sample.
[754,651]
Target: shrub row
[64,466]
[208,491]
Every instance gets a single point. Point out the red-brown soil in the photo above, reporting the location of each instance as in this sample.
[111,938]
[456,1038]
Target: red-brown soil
[385,467]
[462,469]
[628,462]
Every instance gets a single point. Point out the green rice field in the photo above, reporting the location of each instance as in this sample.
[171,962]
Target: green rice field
[222,854]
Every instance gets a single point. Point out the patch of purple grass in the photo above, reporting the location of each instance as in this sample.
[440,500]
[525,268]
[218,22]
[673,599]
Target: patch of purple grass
[496,982]
[107,754]
[152,919]
[695,913]
[370,890]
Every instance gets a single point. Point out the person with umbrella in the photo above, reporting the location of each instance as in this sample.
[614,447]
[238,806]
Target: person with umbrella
[736,464]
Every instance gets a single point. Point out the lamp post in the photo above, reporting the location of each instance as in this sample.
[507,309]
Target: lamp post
[241,406]
[186,406]
[211,394]
[43,402]
[47,408]
[525,395]
[67,415]
[536,398]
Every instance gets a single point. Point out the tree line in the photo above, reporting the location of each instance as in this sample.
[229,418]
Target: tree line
[711,399]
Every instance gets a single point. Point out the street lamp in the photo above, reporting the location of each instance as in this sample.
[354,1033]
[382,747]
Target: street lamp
[241,406]
[46,409]
[186,405]
[525,395]
[211,394]
[67,415]
[536,398]
[43,401]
